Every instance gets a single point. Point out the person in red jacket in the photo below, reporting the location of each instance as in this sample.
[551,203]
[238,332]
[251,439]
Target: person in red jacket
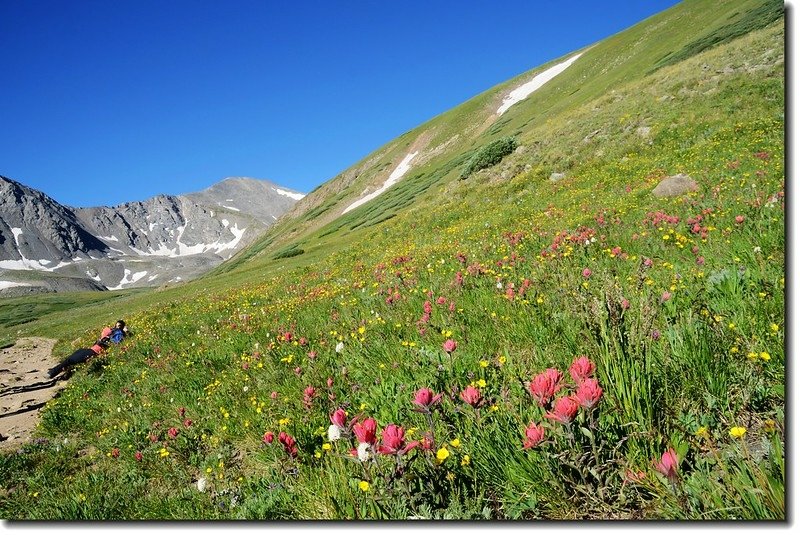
[107,336]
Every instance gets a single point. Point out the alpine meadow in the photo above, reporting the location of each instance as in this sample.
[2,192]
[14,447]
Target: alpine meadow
[563,299]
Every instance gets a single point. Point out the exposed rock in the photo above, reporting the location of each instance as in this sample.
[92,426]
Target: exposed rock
[555,177]
[590,135]
[675,185]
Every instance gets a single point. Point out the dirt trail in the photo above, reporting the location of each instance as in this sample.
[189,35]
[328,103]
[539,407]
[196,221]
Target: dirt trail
[25,388]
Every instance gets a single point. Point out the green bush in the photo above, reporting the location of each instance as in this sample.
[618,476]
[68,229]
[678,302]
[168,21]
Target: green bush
[288,252]
[489,155]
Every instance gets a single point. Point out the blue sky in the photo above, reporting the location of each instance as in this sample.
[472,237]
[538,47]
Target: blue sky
[107,102]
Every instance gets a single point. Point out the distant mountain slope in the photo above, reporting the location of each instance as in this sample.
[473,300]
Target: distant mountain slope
[160,240]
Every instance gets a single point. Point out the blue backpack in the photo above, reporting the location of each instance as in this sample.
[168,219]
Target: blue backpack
[116,336]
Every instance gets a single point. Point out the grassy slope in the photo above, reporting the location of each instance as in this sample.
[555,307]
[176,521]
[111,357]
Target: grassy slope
[215,346]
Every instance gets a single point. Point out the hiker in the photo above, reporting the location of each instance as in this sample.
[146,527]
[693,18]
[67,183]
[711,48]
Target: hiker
[109,335]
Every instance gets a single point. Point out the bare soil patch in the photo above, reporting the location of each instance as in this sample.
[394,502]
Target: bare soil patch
[25,388]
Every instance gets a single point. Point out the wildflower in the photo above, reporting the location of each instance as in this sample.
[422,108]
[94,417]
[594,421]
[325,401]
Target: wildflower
[545,385]
[449,345]
[182,412]
[589,393]
[364,486]
[330,382]
[326,446]
[739,219]
[655,334]
[269,436]
[465,460]
[363,451]
[586,273]
[564,410]
[666,296]
[393,441]
[339,418]
[173,432]
[115,452]
[668,466]
[625,304]
[425,398]
[187,423]
[365,431]
[201,484]
[581,368]
[442,454]
[340,347]
[456,442]
[764,356]
[471,395]
[632,477]
[427,442]
[138,456]
[334,432]
[737,432]
[289,444]
[534,435]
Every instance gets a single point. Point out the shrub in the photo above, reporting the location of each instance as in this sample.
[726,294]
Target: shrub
[288,252]
[489,155]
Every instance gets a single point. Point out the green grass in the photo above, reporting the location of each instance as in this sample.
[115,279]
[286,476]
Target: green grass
[755,19]
[678,302]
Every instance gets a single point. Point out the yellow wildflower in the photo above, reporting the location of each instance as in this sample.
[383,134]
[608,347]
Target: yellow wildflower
[737,432]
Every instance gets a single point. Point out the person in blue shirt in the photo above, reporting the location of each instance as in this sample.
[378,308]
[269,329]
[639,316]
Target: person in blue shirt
[110,335]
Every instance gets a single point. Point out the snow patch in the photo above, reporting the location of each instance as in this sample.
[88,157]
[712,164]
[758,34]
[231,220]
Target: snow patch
[396,175]
[27,264]
[523,91]
[17,233]
[183,249]
[95,277]
[9,284]
[231,208]
[225,222]
[295,196]
[129,279]
[114,238]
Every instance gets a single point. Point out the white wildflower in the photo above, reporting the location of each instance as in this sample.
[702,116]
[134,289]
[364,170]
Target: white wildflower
[334,432]
[363,451]
[339,347]
[201,484]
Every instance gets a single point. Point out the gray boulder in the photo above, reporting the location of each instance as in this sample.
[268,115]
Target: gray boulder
[675,186]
